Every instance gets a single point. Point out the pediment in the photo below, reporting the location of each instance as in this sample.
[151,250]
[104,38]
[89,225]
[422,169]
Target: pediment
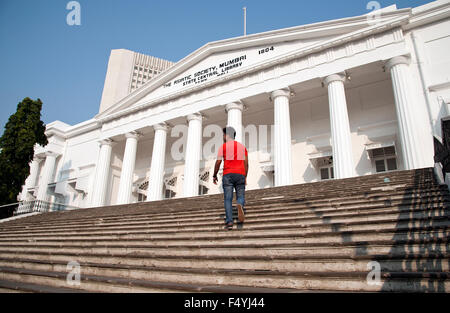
[218,60]
[219,65]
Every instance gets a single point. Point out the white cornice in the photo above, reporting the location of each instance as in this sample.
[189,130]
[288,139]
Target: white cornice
[388,20]
[429,13]
[56,128]
[55,132]
[83,128]
[65,131]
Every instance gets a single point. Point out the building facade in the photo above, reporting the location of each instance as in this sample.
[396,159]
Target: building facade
[330,100]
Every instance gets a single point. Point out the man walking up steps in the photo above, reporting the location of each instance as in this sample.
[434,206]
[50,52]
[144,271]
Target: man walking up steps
[235,170]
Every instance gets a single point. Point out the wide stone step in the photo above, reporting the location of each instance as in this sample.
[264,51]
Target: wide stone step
[277,238]
[93,283]
[343,281]
[10,286]
[192,201]
[5,290]
[360,183]
[89,283]
[361,200]
[411,262]
[281,197]
[282,217]
[267,229]
[277,199]
[161,214]
[396,250]
[252,216]
[403,240]
[149,210]
[314,192]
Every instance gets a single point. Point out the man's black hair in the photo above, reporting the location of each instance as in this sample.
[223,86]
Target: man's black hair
[230,131]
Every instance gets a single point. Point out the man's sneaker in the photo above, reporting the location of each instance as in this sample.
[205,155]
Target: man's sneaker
[241,214]
[229,226]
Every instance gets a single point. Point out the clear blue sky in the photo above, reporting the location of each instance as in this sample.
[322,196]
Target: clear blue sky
[43,57]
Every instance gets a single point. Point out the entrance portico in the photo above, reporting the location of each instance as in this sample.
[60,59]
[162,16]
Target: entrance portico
[336,107]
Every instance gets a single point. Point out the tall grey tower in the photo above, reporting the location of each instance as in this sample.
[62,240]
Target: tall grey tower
[127,71]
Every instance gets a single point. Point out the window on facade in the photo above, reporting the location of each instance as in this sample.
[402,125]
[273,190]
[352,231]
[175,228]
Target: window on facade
[381,152]
[202,190]
[326,173]
[169,187]
[391,164]
[325,166]
[169,194]
[142,197]
[386,164]
[380,166]
[271,176]
[385,159]
[142,192]
[204,178]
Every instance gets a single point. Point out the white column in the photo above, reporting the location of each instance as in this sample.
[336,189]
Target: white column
[32,178]
[408,122]
[156,181]
[234,111]
[282,138]
[128,164]
[193,155]
[34,171]
[101,180]
[30,182]
[340,127]
[47,176]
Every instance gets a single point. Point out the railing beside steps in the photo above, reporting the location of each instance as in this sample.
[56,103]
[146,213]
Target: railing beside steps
[25,207]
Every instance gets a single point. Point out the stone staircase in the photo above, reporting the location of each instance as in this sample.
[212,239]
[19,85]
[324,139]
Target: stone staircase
[304,238]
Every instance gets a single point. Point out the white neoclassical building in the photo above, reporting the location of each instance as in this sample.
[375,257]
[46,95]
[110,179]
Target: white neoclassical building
[330,100]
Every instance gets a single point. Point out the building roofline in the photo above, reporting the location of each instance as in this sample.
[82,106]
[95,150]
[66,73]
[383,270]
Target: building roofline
[282,35]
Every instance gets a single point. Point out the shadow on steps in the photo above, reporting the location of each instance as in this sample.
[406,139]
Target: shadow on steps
[422,269]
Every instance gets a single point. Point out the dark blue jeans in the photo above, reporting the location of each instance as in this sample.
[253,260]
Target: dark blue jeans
[229,183]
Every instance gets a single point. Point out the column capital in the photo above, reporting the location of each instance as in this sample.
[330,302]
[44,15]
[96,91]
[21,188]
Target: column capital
[238,105]
[133,135]
[194,116]
[396,61]
[51,153]
[335,77]
[37,159]
[161,126]
[106,142]
[284,92]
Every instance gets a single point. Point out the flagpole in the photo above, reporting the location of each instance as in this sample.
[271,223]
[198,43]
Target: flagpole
[245,21]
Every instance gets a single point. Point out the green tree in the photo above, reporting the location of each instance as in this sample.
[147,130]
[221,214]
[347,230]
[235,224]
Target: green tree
[22,131]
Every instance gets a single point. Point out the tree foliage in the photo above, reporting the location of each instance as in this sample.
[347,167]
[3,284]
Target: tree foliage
[22,131]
